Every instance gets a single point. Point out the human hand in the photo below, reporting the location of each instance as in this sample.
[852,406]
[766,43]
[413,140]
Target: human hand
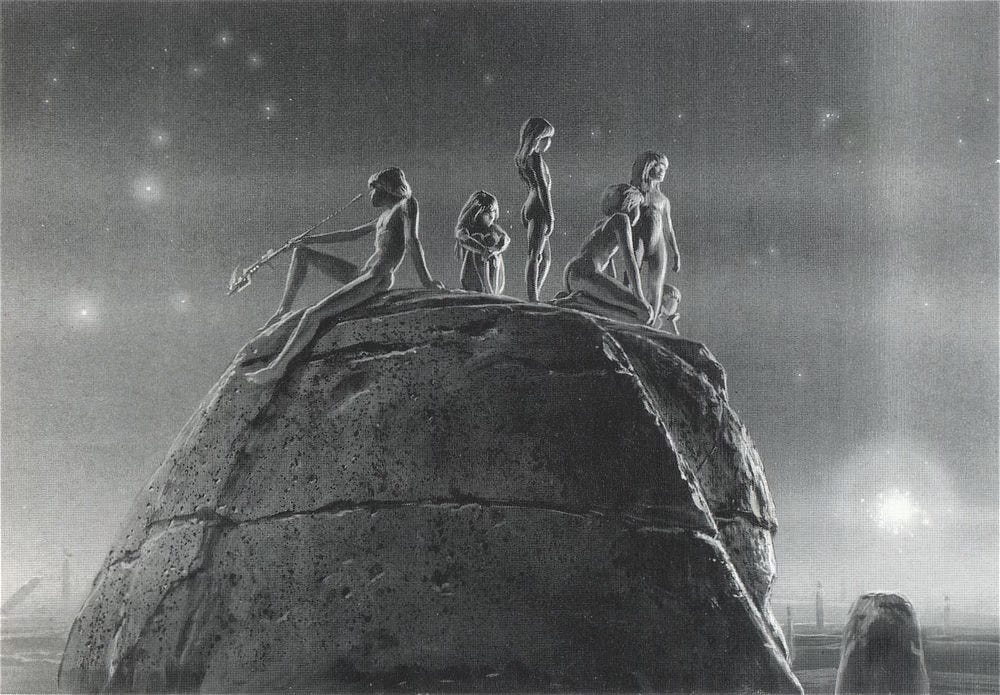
[434,285]
[677,262]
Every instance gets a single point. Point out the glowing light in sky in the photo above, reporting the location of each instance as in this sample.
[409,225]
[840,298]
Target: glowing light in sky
[158,137]
[829,118]
[82,311]
[896,512]
[224,39]
[195,70]
[181,301]
[147,189]
[254,60]
[269,110]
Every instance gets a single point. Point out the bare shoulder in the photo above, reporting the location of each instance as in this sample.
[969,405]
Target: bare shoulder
[403,209]
[407,206]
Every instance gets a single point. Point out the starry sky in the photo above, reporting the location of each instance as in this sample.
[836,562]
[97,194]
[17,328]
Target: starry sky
[833,175]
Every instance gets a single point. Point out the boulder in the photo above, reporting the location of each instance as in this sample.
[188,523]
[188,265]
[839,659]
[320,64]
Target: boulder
[881,650]
[449,491]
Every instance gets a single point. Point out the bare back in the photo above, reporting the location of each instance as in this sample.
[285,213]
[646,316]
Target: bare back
[600,246]
[534,208]
[390,239]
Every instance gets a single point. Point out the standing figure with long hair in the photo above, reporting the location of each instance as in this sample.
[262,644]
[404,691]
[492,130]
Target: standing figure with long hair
[536,213]
[654,229]
[588,287]
[479,243]
[396,230]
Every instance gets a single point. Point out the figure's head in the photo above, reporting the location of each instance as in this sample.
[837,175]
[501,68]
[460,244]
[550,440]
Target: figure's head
[649,167]
[481,209]
[622,197]
[388,186]
[536,136]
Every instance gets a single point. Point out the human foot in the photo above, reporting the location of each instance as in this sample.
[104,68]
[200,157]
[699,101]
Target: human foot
[263,376]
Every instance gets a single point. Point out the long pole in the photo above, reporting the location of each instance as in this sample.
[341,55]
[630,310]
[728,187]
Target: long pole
[240,279]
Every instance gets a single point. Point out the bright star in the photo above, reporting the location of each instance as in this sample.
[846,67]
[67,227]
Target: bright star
[746,25]
[895,511]
[253,60]
[147,189]
[181,301]
[83,310]
[196,70]
[158,137]
[223,39]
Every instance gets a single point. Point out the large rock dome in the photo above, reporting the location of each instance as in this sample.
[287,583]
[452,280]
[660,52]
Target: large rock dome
[449,491]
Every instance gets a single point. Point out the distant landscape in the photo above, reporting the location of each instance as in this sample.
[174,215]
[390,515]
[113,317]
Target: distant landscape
[965,660]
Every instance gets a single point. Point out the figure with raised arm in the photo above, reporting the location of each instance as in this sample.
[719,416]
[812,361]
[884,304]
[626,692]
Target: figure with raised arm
[588,287]
[396,230]
[479,243]
[654,231]
[536,213]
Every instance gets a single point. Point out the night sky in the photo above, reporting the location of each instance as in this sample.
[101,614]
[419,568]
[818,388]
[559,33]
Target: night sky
[833,175]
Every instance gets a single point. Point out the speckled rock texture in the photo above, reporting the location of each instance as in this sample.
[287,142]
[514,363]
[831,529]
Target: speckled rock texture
[449,492]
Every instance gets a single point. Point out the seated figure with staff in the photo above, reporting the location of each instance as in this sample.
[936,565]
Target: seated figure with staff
[396,231]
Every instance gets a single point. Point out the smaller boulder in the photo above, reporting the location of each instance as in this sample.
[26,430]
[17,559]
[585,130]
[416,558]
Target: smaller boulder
[881,650]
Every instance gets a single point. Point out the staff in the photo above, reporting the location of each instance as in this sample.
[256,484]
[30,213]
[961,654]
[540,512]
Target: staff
[240,279]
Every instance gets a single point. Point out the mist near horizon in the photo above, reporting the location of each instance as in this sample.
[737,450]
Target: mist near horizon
[833,175]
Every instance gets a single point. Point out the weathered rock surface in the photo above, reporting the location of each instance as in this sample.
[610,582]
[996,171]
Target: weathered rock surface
[449,491]
[881,650]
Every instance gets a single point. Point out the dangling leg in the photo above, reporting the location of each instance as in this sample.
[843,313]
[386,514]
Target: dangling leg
[350,295]
[302,258]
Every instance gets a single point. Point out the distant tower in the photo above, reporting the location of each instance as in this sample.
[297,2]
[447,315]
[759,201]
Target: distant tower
[790,634]
[819,605]
[65,576]
[946,620]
